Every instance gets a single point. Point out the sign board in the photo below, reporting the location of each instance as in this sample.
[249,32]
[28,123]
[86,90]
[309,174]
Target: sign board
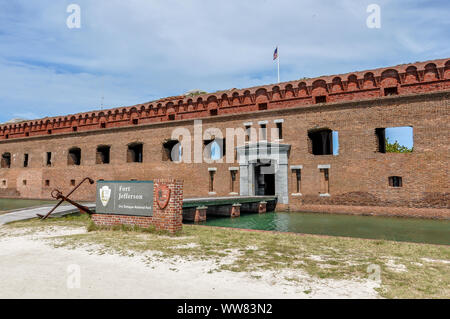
[133,198]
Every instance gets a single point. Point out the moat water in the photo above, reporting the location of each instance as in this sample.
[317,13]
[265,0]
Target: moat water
[372,227]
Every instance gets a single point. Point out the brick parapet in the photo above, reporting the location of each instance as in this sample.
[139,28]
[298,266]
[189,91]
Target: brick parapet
[420,77]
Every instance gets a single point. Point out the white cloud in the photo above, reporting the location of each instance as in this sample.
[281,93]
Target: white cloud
[135,51]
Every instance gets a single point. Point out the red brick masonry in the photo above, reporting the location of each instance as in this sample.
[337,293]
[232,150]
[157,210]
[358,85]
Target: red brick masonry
[169,219]
[355,105]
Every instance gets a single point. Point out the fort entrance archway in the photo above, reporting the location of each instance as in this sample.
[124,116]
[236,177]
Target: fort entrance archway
[264,170]
[264,177]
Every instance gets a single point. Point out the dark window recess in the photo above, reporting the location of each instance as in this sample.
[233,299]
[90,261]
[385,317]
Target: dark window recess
[211,181]
[102,125]
[3,182]
[24,182]
[7,136]
[322,142]
[72,182]
[391,91]
[325,181]
[208,148]
[223,146]
[27,134]
[298,179]
[171,151]
[248,130]
[25,160]
[213,112]
[6,160]
[75,129]
[74,157]
[135,121]
[135,153]
[280,130]
[49,159]
[381,139]
[103,155]
[233,181]
[263,132]
[49,132]
[47,183]
[321,99]
[395,181]
[171,117]
[262,106]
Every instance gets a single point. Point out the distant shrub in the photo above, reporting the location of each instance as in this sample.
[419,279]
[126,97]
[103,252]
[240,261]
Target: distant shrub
[397,148]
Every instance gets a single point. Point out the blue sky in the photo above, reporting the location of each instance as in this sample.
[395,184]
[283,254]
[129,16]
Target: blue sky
[139,50]
[403,135]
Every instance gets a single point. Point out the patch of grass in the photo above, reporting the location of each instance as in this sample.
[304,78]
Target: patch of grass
[91,227]
[319,256]
[10,204]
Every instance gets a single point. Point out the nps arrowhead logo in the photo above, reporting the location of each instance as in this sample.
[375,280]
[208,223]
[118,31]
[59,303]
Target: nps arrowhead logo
[105,195]
[162,196]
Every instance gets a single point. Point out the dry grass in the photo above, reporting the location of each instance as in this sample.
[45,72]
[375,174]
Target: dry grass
[408,270]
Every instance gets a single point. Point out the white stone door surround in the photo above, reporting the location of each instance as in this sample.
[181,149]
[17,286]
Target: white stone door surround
[249,155]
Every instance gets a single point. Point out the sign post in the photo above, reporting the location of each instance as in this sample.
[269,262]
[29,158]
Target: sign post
[125,198]
[141,203]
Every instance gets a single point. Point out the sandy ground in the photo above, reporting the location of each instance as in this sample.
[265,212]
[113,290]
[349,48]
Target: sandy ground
[30,267]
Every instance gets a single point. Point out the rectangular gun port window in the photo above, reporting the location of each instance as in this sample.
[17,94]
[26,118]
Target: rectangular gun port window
[103,154]
[324,181]
[390,91]
[211,180]
[297,176]
[263,132]
[395,139]
[280,130]
[395,181]
[25,160]
[324,142]
[6,160]
[262,106]
[135,153]
[48,160]
[321,99]
[74,156]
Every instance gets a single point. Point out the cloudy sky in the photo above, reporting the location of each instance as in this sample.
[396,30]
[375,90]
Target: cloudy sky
[139,50]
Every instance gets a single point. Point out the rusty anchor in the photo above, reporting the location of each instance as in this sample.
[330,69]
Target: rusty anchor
[56,194]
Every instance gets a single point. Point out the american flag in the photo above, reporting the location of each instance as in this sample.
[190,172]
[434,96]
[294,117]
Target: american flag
[275,54]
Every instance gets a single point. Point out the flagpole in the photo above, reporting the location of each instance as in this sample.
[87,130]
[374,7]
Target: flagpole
[278,50]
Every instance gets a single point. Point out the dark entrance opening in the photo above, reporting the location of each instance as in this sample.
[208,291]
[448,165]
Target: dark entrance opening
[264,178]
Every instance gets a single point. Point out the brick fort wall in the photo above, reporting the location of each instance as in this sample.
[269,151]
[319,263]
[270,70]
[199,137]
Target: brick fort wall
[354,104]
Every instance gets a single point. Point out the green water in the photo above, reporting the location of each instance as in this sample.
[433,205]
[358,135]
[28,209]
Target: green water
[390,228]
[11,204]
